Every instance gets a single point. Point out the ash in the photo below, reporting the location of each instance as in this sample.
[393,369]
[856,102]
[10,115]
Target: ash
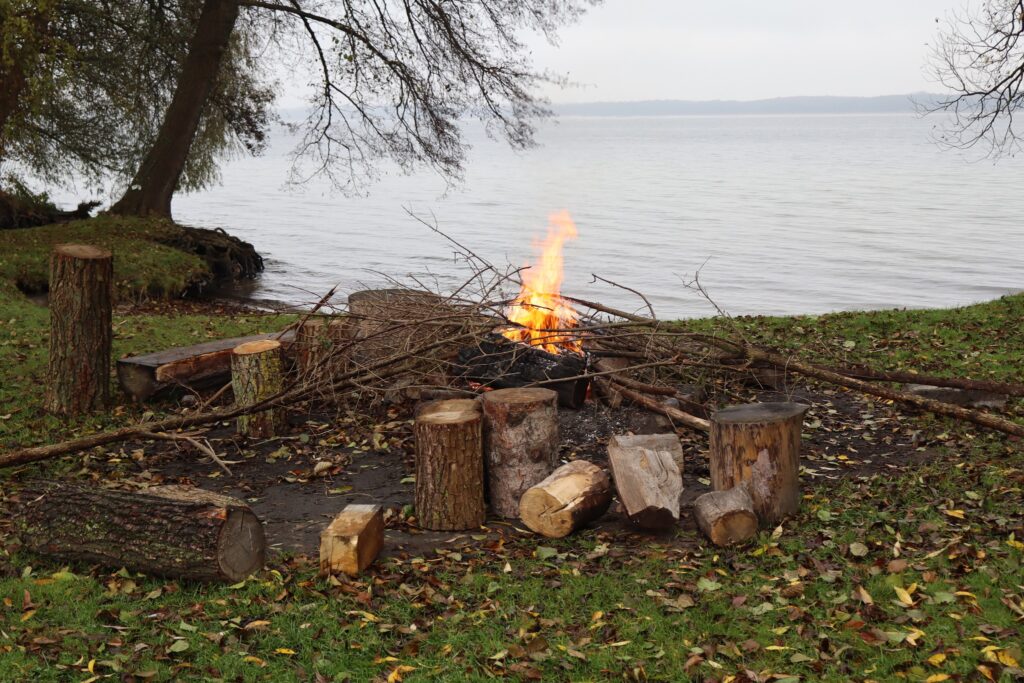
[585,431]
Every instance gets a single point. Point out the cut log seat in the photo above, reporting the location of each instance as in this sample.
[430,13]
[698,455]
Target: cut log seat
[200,366]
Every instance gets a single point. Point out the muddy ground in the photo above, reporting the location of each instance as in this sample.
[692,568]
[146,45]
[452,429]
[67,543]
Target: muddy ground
[297,483]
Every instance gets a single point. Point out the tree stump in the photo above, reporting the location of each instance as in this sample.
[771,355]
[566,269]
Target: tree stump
[726,517]
[576,493]
[352,541]
[450,465]
[321,348]
[393,321]
[175,531]
[81,302]
[647,478]
[256,376]
[520,443]
[759,444]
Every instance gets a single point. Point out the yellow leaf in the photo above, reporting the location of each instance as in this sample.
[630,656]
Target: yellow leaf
[864,596]
[937,659]
[776,647]
[597,616]
[396,675]
[284,651]
[1006,659]
[254,660]
[904,596]
[92,666]
[959,514]
[937,678]
[27,615]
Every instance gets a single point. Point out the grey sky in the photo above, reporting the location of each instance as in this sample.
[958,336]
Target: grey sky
[745,49]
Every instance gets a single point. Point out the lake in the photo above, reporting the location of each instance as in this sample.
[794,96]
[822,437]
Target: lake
[781,214]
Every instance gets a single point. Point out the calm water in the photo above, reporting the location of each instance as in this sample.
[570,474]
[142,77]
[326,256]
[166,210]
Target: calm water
[784,214]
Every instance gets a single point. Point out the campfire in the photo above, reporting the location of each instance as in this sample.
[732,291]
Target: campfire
[541,348]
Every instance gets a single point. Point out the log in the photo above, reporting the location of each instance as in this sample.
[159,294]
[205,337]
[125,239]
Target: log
[352,541]
[256,376]
[200,366]
[81,305]
[175,531]
[726,517]
[759,445]
[576,493]
[321,348]
[904,377]
[647,478]
[450,465]
[498,363]
[393,321]
[520,443]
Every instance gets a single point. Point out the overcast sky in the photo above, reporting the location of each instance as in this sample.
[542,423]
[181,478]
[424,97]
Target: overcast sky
[745,49]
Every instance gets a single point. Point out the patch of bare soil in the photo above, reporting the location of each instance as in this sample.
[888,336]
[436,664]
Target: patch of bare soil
[298,483]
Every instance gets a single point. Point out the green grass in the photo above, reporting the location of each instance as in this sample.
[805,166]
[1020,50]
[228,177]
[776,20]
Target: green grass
[818,599]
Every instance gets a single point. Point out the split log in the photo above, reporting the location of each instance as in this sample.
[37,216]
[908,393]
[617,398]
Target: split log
[499,363]
[573,495]
[647,477]
[520,443]
[81,305]
[256,376]
[321,348]
[759,445]
[175,531]
[200,366]
[352,541]
[726,517]
[450,465]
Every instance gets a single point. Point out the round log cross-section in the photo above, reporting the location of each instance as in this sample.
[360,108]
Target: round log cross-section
[520,443]
[256,376]
[81,301]
[759,444]
[450,465]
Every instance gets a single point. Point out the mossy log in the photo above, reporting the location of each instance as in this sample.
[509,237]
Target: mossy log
[256,376]
[759,445]
[81,304]
[576,493]
[450,465]
[520,443]
[173,531]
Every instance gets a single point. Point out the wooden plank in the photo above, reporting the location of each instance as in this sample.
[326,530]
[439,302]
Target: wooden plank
[195,366]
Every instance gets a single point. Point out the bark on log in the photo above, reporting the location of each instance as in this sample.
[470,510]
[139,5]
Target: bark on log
[352,541]
[726,517]
[450,465]
[647,478]
[573,495]
[175,531]
[321,348]
[255,376]
[520,443]
[198,366]
[759,445]
[81,301]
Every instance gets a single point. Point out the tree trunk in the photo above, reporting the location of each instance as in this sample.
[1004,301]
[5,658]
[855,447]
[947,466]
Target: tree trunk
[153,186]
[81,293]
[520,443]
[174,531]
[574,494]
[726,517]
[759,445]
[450,465]
[352,541]
[321,348]
[648,478]
[256,376]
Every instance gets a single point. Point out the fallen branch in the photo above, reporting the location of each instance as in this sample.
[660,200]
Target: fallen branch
[989,386]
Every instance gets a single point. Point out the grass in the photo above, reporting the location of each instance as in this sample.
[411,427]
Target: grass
[914,574]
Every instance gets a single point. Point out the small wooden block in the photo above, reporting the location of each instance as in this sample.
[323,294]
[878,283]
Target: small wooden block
[352,541]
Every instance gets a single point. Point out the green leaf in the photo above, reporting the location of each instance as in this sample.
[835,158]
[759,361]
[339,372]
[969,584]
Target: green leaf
[178,646]
[858,549]
[544,552]
[706,585]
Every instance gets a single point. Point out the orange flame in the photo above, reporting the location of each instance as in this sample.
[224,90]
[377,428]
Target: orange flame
[544,316]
